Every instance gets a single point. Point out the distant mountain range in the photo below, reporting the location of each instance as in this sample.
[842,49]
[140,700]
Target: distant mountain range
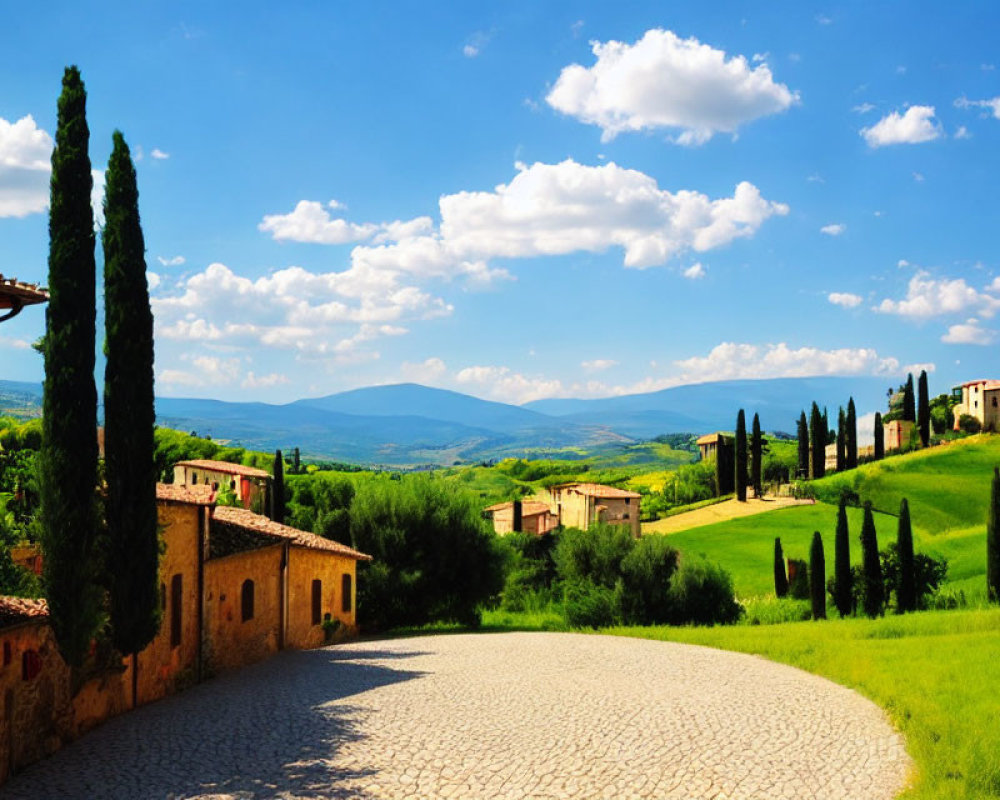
[408,424]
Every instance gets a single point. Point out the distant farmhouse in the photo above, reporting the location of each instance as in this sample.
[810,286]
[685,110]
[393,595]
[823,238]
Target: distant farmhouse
[979,399]
[576,505]
[249,484]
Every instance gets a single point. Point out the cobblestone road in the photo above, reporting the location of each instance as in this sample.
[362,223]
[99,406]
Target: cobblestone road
[513,715]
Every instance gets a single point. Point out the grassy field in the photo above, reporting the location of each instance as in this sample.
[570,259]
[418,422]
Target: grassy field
[935,673]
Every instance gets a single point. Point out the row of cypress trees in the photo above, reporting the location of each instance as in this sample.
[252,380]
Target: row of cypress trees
[755,450]
[89,567]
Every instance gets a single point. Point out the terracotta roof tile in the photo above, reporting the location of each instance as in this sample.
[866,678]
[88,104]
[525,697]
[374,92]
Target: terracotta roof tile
[225,467]
[243,518]
[201,494]
[15,610]
[528,508]
[597,490]
[25,294]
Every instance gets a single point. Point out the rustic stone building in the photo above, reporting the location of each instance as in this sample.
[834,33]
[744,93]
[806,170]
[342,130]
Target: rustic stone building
[536,517]
[249,484]
[979,399]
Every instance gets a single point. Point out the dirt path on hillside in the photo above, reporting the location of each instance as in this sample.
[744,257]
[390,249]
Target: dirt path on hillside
[720,512]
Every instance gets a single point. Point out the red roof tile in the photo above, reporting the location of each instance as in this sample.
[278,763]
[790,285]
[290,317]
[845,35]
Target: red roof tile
[200,495]
[225,467]
[597,490]
[247,520]
[13,292]
[529,508]
[15,610]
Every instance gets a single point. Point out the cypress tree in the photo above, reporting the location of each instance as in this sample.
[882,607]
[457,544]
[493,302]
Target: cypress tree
[817,577]
[68,458]
[133,547]
[803,433]
[841,441]
[909,407]
[278,489]
[817,437]
[296,464]
[879,453]
[756,456]
[852,435]
[873,589]
[906,588]
[780,578]
[993,541]
[842,578]
[741,457]
[923,410]
[826,427]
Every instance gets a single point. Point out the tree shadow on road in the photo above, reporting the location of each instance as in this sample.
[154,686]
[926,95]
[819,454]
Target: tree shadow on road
[269,730]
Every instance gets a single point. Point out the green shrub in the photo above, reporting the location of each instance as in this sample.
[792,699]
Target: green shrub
[798,584]
[594,555]
[969,424]
[646,573]
[702,593]
[588,605]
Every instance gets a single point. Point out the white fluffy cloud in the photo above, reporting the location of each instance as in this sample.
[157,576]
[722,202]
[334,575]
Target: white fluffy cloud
[310,222]
[834,229]
[663,81]
[25,153]
[428,371]
[845,299]
[159,154]
[991,106]
[502,383]
[694,272]
[930,297]
[598,364]
[913,127]
[969,332]
[269,381]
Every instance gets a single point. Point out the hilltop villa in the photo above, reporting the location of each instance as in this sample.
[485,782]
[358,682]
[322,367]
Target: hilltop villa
[248,483]
[576,505]
[979,399]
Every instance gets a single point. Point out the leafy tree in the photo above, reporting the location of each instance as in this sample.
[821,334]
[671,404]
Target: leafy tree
[941,413]
[841,441]
[646,574]
[435,558]
[702,593]
[594,555]
[923,410]
[133,547]
[851,457]
[928,573]
[872,587]
[803,451]
[68,458]
[296,463]
[909,406]
[741,457]
[817,436]
[798,579]
[879,452]
[817,577]
[780,579]
[906,586]
[993,540]
[756,457]
[969,424]
[278,488]
[842,589]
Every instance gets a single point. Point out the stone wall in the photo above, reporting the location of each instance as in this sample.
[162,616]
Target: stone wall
[305,566]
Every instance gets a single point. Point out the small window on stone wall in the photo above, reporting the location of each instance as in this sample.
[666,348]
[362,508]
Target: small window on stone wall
[345,590]
[31,665]
[246,600]
[176,607]
[194,477]
[317,602]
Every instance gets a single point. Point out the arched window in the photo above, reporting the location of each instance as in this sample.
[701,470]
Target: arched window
[176,606]
[246,600]
[345,591]
[317,602]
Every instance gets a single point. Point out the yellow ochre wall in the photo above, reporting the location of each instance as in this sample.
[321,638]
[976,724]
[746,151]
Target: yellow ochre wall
[304,566]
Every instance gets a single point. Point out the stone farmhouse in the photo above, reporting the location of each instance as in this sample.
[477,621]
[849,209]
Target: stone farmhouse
[576,505]
[248,483]
[979,399]
[235,587]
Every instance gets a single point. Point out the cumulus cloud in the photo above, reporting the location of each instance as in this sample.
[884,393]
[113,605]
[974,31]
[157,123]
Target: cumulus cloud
[598,364]
[152,279]
[913,127]
[845,299]
[969,332]
[25,153]
[428,371]
[173,261]
[311,222]
[159,154]
[992,107]
[694,272]
[253,381]
[834,229]
[663,81]
[502,383]
[930,297]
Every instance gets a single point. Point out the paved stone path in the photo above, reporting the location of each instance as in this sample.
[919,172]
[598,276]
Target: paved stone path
[514,715]
[720,512]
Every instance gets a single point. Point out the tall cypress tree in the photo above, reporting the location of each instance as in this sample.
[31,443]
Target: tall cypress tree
[756,457]
[906,586]
[841,440]
[826,428]
[873,589]
[817,436]
[741,457]
[133,549]
[842,578]
[879,453]
[68,458]
[803,435]
[278,488]
[923,410]
[817,577]
[909,406]
[780,577]
[852,435]
[993,541]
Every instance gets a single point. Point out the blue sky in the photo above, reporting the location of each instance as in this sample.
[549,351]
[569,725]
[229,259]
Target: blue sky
[523,200]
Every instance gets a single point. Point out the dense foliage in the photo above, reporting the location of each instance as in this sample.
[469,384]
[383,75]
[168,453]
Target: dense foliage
[841,585]
[871,583]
